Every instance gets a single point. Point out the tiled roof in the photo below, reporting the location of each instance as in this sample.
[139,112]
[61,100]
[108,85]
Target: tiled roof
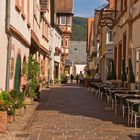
[64,6]
[77,52]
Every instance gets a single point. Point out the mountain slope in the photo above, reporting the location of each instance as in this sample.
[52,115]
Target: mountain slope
[79,29]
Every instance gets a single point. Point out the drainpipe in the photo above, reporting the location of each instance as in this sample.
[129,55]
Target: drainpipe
[9,38]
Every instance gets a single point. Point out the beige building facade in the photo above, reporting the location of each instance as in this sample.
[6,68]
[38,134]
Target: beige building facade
[32,27]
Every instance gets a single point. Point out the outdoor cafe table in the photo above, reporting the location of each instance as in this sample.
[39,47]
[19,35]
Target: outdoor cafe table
[111,91]
[131,103]
[125,94]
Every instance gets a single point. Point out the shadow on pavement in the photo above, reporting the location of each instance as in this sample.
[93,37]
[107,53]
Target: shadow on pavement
[74,100]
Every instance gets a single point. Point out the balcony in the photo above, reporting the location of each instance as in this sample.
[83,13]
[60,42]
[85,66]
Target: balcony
[65,51]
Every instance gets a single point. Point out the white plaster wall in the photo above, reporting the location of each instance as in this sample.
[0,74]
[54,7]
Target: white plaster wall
[17,22]
[3,45]
[136,33]
[18,46]
[55,41]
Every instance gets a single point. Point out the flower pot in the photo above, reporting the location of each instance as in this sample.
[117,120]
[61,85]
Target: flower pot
[20,111]
[10,119]
[28,101]
[3,121]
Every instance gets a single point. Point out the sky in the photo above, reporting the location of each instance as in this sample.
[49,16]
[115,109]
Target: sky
[85,8]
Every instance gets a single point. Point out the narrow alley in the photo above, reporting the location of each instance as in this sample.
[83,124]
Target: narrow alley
[69,112]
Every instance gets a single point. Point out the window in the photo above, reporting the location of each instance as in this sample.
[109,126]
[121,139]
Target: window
[62,42]
[44,5]
[69,21]
[22,9]
[109,37]
[137,65]
[45,29]
[125,4]
[62,20]
[28,13]
[18,5]
[122,6]
[67,41]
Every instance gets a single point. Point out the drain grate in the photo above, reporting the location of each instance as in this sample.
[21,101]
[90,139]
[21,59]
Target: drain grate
[22,135]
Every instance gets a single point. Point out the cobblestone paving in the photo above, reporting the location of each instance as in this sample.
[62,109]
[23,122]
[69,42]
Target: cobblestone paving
[70,113]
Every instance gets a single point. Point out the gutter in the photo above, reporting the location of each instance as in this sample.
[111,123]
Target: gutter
[9,38]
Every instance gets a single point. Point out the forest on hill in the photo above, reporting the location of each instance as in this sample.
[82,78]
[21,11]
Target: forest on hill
[79,29]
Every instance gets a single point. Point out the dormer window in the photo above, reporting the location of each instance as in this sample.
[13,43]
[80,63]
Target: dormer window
[62,20]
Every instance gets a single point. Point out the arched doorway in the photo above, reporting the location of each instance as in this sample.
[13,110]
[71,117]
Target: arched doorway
[17,72]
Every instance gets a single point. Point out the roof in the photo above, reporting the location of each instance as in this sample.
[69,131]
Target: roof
[77,52]
[64,6]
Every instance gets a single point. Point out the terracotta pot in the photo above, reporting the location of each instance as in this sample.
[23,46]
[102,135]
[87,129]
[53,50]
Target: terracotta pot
[10,119]
[28,101]
[3,121]
[20,111]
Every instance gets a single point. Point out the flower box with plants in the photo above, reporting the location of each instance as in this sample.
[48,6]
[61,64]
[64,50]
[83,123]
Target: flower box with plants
[3,111]
[8,106]
[19,105]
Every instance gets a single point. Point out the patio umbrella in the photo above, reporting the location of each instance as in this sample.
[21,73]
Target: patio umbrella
[113,73]
[123,73]
[131,77]
[109,72]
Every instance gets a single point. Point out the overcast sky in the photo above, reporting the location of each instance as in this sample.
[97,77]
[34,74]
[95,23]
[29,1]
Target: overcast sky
[85,8]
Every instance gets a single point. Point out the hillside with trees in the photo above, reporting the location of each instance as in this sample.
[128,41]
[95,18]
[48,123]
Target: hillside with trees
[79,29]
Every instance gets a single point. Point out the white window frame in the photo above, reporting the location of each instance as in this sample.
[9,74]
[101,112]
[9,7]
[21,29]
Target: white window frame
[61,20]
[108,36]
[68,21]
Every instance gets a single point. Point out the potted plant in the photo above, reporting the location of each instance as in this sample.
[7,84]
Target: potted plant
[33,80]
[113,73]
[123,73]
[64,79]
[19,104]
[131,77]
[109,72]
[3,111]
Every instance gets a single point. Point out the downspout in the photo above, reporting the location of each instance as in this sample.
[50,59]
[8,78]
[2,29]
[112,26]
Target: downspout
[9,38]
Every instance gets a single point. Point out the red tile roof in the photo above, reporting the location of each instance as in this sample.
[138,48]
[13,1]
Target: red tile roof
[64,6]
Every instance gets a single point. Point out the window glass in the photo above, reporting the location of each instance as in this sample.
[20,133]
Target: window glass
[69,20]
[62,20]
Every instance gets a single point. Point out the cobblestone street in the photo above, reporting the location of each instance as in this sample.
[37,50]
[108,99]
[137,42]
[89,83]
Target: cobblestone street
[69,112]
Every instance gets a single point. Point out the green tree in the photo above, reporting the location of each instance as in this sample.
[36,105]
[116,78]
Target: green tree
[79,29]
[32,76]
